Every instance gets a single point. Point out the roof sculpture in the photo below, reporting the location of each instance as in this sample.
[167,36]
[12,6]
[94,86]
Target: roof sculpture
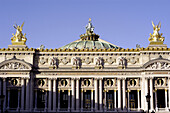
[89,40]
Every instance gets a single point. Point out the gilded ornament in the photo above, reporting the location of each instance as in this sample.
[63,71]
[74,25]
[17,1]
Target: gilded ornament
[18,38]
[156,37]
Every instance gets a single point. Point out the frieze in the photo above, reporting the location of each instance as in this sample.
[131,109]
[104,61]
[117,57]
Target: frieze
[159,65]
[14,66]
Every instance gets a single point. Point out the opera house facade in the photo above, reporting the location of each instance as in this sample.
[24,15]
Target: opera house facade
[87,75]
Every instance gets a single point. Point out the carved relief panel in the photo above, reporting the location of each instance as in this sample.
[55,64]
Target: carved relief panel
[14,82]
[87,83]
[133,83]
[64,83]
[161,82]
[41,83]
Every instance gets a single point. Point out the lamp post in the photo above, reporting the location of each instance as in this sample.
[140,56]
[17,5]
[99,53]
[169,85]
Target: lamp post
[2,99]
[148,100]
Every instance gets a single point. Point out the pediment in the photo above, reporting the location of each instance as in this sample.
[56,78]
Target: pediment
[15,64]
[157,64]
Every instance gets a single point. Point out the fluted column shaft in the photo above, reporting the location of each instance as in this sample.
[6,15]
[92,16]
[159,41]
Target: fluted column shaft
[96,93]
[146,92]
[49,94]
[91,100]
[100,94]
[81,100]
[8,98]
[58,100]
[119,93]
[27,94]
[77,94]
[4,92]
[73,94]
[124,93]
[68,100]
[22,93]
[138,91]
[54,95]
[151,93]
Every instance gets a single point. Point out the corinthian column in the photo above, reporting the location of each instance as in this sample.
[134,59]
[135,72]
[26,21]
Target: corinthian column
[49,95]
[73,94]
[77,95]
[4,92]
[27,94]
[124,94]
[151,93]
[22,93]
[119,93]
[100,94]
[96,94]
[54,95]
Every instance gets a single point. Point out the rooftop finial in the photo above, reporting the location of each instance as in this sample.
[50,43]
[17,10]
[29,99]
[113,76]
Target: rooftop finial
[89,27]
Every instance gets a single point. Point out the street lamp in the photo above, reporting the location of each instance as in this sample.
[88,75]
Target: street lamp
[148,100]
[2,99]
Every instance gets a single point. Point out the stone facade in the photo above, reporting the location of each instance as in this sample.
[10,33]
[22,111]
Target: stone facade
[85,80]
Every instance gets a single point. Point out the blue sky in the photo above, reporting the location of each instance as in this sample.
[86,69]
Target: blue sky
[55,23]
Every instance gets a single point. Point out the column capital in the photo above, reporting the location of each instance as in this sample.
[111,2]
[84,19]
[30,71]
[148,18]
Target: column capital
[77,78]
[54,78]
[73,78]
[166,89]
[123,78]
[100,78]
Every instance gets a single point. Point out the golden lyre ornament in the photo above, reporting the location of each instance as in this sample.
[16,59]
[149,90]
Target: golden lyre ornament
[18,38]
[156,38]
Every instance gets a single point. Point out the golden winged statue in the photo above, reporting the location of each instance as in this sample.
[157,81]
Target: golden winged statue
[18,38]
[156,37]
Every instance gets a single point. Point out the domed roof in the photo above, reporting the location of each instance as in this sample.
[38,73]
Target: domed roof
[89,40]
[89,44]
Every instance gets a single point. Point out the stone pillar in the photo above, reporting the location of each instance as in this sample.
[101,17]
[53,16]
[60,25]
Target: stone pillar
[0,86]
[115,107]
[100,94]
[92,100]
[166,100]
[142,80]
[105,108]
[27,94]
[8,98]
[4,93]
[81,100]
[128,102]
[35,108]
[169,91]
[146,92]
[54,95]
[156,105]
[73,94]
[96,93]
[58,100]
[46,99]
[124,94]
[31,92]
[151,94]
[49,94]
[22,93]
[77,95]
[119,94]
[19,94]
[138,99]
[68,100]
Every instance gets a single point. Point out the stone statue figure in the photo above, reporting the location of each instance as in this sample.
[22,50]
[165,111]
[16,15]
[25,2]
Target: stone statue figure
[89,27]
[156,37]
[18,38]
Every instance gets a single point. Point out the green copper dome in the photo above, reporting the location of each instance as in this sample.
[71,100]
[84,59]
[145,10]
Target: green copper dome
[89,40]
[89,44]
